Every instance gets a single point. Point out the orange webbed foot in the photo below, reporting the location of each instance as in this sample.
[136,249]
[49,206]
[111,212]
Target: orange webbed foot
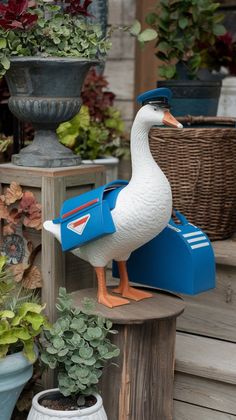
[132,293]
[111,301]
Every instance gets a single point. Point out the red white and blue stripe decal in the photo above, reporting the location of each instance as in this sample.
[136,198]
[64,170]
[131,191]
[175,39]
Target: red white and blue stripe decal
[78,225]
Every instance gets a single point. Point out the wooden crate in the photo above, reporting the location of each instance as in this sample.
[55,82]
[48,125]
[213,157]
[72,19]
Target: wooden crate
[51,187]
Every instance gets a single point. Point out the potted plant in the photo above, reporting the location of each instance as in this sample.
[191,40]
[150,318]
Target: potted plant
[21,322]
[77,345]
[186,30]
[6,143]
[97,132]
[46,50]
[221,59]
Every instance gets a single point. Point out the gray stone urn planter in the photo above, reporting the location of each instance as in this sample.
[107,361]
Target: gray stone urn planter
[15,371]
[46,92]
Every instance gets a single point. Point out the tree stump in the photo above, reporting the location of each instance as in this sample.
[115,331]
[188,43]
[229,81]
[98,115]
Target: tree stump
[140,384]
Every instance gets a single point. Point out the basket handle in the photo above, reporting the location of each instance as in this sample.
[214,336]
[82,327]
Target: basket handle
[191,119]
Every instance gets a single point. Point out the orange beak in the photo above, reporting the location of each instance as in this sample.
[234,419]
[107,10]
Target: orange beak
[170,121]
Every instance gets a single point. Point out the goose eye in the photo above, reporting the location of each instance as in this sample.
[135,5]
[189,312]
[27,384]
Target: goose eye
[155,109]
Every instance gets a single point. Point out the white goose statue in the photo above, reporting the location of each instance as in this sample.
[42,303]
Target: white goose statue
[142,208]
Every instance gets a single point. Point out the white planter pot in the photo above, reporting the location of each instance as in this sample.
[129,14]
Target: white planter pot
[38,412]
[111,165]
[227,102]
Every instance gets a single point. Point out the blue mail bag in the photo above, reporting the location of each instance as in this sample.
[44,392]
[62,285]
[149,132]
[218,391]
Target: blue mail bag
[180,259]
[88,216]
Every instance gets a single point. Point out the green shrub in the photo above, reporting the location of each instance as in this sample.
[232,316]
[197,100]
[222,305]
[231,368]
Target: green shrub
[77,345]
[186,29]
[21,318]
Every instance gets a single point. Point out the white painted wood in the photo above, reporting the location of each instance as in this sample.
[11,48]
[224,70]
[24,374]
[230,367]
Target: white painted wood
[184,411]
[205,392]
[115,12]
[206,357]
[111,166]
[227,102]
[120,76]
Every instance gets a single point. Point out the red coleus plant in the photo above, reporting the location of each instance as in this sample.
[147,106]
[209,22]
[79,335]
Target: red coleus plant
[77,7]
[15,15]
[95,95]
[27,212]
[222,54]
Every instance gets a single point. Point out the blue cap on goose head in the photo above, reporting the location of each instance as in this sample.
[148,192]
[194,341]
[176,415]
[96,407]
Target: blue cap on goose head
[160,96]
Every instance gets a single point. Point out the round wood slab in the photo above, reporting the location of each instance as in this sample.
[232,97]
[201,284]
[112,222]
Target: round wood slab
[160,306]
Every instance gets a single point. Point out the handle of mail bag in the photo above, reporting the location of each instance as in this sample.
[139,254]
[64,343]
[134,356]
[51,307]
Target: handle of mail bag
[192,120]
[181,218]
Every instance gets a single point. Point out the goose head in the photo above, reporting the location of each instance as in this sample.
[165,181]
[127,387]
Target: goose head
[153,114]
[155,109]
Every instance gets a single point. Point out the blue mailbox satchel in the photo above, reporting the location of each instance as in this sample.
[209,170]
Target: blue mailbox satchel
[180,259]
[88,216]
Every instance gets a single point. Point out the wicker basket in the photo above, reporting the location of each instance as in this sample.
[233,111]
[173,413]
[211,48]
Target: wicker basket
[200,164]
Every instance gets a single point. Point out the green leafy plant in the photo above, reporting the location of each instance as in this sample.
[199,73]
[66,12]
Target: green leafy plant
[186,29]
[5,143]
[41,28]
[98,130]
[21,318]
[77,345]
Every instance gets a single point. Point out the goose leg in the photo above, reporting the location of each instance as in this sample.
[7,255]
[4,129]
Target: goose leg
[125,289]
[103,296]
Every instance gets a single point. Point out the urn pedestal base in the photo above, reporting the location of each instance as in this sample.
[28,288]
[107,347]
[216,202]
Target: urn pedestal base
[45,161]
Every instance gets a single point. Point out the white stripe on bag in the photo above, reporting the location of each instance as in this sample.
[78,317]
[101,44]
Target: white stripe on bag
[187,235]
[200,245]
[200,238]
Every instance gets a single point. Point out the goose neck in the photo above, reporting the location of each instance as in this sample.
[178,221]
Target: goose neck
[141,156]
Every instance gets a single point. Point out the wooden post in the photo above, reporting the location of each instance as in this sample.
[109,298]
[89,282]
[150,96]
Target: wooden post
[146,63]
[140,385]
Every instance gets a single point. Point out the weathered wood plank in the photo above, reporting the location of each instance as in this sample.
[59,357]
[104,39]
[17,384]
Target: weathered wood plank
[208,321]
[146,63]
[225,251]
[53,259]
[159,306]
[79,273]
[205,392]
[185,411]
[141,388]
[206,357]
[213,313]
